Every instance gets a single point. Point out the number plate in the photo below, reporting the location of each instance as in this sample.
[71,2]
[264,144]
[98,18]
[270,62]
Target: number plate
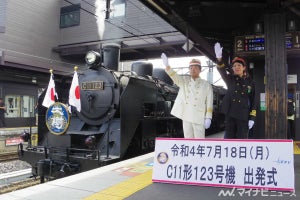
[95,85]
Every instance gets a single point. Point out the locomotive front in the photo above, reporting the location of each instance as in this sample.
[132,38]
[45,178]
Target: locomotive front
[99,92]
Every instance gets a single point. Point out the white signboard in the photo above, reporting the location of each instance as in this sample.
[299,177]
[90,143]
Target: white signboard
[292,78]
[264,164]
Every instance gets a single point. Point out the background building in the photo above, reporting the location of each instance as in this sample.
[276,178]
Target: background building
[38,35]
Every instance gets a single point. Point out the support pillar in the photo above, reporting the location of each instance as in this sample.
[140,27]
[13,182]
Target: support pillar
[275,76]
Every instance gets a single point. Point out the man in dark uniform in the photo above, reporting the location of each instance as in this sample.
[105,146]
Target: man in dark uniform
[291,117]
[2,112]
[239,102]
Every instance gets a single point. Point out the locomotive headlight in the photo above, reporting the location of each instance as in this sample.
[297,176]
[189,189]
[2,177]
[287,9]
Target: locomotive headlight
[90,57]
[93,58]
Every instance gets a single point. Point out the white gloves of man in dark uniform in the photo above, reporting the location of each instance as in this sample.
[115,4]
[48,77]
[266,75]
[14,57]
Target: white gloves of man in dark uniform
[250,124]
[165,59]
[218,50]
[207,123]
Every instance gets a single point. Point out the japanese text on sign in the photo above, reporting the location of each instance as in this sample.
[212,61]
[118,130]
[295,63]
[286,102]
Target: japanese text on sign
[225,163]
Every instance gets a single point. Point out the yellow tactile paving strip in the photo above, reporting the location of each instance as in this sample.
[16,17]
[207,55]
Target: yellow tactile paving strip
[124,189]
[297,147]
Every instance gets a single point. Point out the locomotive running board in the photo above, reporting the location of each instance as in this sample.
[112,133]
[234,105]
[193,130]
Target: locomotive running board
[83,132]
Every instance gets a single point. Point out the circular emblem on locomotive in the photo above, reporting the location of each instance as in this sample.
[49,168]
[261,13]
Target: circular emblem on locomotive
[57,118]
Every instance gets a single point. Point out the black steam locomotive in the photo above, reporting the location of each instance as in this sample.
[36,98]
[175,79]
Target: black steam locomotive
[121,115]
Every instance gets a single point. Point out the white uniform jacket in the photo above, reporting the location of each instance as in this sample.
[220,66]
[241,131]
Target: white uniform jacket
[194,101]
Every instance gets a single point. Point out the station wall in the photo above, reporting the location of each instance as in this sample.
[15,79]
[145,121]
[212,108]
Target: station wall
[258,74]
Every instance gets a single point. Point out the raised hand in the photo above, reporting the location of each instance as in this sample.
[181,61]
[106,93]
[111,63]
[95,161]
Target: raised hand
[165,59]
[218,50]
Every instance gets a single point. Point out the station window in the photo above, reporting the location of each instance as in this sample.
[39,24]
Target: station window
[19,106]
[70,16]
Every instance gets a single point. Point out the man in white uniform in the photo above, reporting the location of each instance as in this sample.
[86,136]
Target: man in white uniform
[194,102]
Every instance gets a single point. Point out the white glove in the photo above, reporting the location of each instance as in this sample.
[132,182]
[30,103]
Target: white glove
[165,59]
[250,124]
[218,50]
[207,123]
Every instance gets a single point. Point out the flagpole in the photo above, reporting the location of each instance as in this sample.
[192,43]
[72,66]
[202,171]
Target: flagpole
[51,76]
[48,99]
[74,93]
[55,94]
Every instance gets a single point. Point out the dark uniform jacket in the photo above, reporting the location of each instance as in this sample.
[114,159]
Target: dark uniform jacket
[2,111]
[239,101]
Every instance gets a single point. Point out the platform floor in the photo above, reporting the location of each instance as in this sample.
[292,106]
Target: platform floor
[132,180]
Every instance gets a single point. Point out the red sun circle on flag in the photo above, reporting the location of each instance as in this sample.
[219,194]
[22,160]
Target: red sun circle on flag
[52,94]
[77,92]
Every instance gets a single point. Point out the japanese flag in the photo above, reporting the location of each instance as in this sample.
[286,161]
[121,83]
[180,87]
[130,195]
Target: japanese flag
[49,98]
[74,95]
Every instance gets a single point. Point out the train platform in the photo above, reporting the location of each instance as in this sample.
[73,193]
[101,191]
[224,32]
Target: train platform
[132,180]
[10,137]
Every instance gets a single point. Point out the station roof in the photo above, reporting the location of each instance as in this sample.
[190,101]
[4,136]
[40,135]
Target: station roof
[140,32]
[151,27]
[208,21]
